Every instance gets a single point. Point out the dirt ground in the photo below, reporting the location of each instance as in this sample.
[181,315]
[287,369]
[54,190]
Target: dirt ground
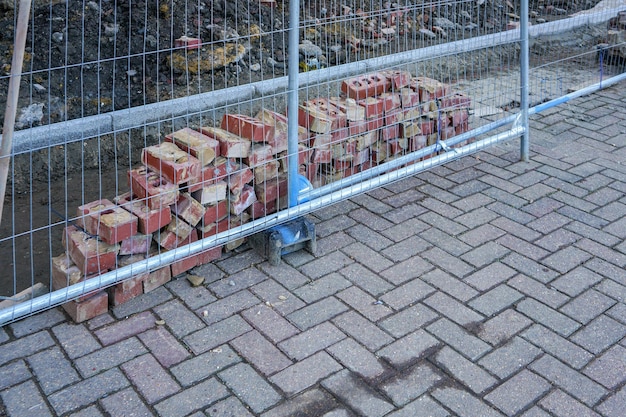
[81,74]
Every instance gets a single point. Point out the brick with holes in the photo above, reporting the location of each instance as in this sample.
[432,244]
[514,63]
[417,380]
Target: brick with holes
[455,101]
[152,188]
[231,145]
[363,86]
[176,165]
[321,116]
[201,146]
[417,142]
[374,107]
[390,132]
[91,255]
[397,78]
[109,222]
[350,107]
[247,127]
[212,193]
[149,220]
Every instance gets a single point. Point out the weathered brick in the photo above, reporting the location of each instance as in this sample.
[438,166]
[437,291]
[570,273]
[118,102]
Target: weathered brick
[305,373]
[311,341]
[110,223]
[363,86]
[149,220]
[502,327]
[165,347]
[518,392]
[250,387]
[204,148]
[88,308]
[176,165]
[152,188]
[259,352]
[216,334]
[231,145]
[270,323]
[90,255]
[463,370]
[412,384]
[357,395]
[247,127]
[194,398]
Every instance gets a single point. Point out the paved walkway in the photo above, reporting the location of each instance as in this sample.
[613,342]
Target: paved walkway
[487,287]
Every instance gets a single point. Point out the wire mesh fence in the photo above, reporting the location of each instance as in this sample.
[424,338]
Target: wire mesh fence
[152,136]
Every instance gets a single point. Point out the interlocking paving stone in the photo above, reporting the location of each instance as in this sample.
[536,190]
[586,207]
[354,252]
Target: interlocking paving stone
[237,281]
[364,303]
[612,289]
[409,349]
[125,328]
[25,346]
[607,270]
[262,354]
[143,303]
[563,405]
[367,257]
[479,235]
[216,334]
[357,395]
[455,311]
[406,270]
[316,313]
[250,387]
[405,229]
[362,330]
[110,356]
[530,268]
[165,347]
[408,320]
[510,358]
[277,296]
[53,371]
[503,327]
[463,403]
[325,265]
[75,339]
[87,391]
[458,338]
[448,262]
[423,406]
[314,401]
[576,281]
[548,317]
[150,378]
[609,369]
[221,309]
[485,254]
[229,407]
[538,291]
[356,358]
[333,243]
[370,219]
[305,373]
[411,384]
[92,411]
[599,334]
[369,237]
[522,247]
[365,279]
[451,244]
[566,259]
[125,402]
[406,248]
[615,405]
[576,384]
[519,392]
[25,400]
[490,276]
[194,398]
[193,297]
[407,294]
[311,341]
[240,261]
[322,287]
[496,300]
[269,322]
[37,322]
[587,306]
[205,365]
[14,373]
[464,371]
[450,285]
[288,276]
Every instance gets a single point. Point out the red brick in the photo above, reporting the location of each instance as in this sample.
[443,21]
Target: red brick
[189,209]
[393,117]
[209,255]
[397,146]
[157,278]
[135,244]
[447,133]
[242,201]
[409,98]
[390,132]
[374,107]
[350,107]
[363,86]
[126,290]
[266,171]
[259,209]
[322,141]
[412,113]
[379,152]
[310,171]
[184,265]
[320,116]
[201,146]
[89,308]
[431,88]
[417,127]
[459,117]
[224,167]
[271,190]
[398,79]
[231,145]
[180,227]
[346,147]
[322,156]
[176,165]
[361,157]
[339,134]
[342,163]
[177,234]
[279,141]
[155,190]
[366,140]
[215,212]
[149,221]
[391,101]
[110,223]
[418,142]
[188,43]
[90,255]
[462,128]
[212,193]
[239,178]
[66,273]
[247,127]
[304,157]
[259,154]
[211,229]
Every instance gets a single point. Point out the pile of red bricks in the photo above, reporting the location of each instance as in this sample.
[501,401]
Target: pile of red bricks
[196,184]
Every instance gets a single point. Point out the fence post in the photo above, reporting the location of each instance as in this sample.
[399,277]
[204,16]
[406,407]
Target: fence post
[292,107]
[524,70]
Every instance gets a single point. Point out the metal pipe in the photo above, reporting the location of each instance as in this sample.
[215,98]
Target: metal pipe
[292,107]
[524,71]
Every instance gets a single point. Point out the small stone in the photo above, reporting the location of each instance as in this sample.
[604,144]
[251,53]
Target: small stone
[195,280]
[255,67]
[57,37]
[231,283]
[39,88]
[205,313]
[159,322]
[282,297]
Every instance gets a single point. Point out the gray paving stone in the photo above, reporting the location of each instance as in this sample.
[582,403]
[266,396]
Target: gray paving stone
[369,237]
[288,276]
[566,378]
[147,375]
[125,402]
[484,255]
[3,336]
[538,290]
[192,399]
[566,259]
[75,339]
[356,358]
[612,289]
[450,285]
[362,330]
[558,346]
[536,412]
[240,261]
[403,271]
[371,219]
[364,303]
[593,233]
[522,247]
[237,281]
[411,348]
[509,207]
[405,249]
[407,294]
[603,252]
[367,257]
[463,403]
[617,228]
[503,327]
[452,309]
[423,406]
[165,347]
[357,395]
[408,320]
[443,223]
[517,393]
[558,239]
[464,371]
[365,279]
[109,357]
[37,322]
[143,303]
[224,308]
[316,313]
[563,405]
[87,391]
[371,203]
[53,371]
[250,387]
[259,352]
[496,300]
[217,334]
[193,297]
[451,244]
[587,306]
[325,265]
[24,400]
[607,270]
[576,281]
[478,236]
[322,287]
[411,384]
[25,346]
[205,365]
[548,317]
[615,405]
[124,329]
[306,373]
[490,276]
[510,358]
[229,407]
[609,369]
[599,334]
[530,268]
[405,228]
[91,411]
[314,401]
[269,322]
[277,296]
[458,338]
[516,229]
[311,341]
[13,374]
[448,263]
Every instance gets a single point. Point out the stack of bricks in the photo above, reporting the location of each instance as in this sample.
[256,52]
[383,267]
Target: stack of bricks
[198,183]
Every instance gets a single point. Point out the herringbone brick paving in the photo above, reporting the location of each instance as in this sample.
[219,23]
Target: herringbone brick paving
[486,287]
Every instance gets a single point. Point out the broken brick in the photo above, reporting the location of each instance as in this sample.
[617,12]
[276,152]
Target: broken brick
[149,220]
[91,255]
[110,223]
[243,200]
[212,193]
[247,127]
[201,146]
[176,165]
[89,308]
[189,209]
[364,86]
[231,145]
[155,190]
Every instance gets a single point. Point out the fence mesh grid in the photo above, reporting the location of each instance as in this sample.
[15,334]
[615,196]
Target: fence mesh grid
[107,83]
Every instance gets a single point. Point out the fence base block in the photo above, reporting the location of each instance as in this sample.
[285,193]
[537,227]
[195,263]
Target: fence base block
[286,238]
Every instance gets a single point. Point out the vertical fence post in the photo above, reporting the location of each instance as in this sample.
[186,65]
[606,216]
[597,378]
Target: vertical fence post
[292,106]
[524,69]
